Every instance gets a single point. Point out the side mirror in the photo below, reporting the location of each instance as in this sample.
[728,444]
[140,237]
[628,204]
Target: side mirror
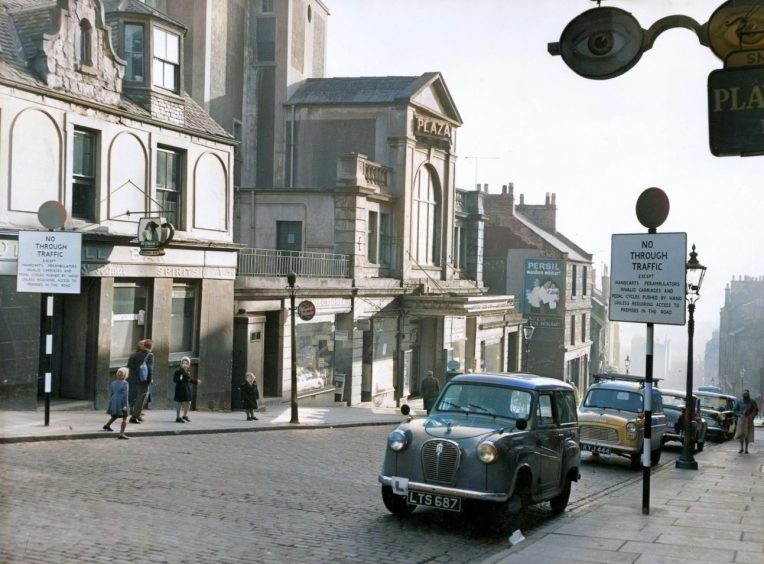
[521,424]
[405,409]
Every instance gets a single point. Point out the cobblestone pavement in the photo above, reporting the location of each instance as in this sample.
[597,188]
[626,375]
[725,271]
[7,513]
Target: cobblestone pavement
[279,496]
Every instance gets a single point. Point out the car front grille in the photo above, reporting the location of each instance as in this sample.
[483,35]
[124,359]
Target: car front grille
[602,434]
[440,461]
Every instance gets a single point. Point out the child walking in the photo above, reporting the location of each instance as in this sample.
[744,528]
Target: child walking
[118,404]
[249,396]
[183,392]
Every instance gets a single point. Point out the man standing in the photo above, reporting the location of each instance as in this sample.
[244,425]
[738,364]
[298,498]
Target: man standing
[430,390]
[141,366]
[746,411]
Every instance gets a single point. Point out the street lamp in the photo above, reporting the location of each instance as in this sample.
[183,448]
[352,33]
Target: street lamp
[627,362]
[528,330]
[695,274]
[291,279]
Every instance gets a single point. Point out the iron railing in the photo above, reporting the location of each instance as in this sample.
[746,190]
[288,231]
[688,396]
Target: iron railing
[268,262]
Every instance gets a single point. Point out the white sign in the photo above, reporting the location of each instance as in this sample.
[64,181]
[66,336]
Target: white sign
[49,262]
[648,278]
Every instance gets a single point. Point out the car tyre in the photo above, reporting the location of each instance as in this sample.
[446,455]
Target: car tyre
[655,456]
[560,502]
[396,504]
[636,460]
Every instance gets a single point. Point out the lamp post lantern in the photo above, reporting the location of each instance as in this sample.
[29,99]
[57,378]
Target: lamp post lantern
[695,274]
[528,330]
[291,279]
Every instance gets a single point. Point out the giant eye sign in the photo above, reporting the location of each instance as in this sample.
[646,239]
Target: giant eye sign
[604,43]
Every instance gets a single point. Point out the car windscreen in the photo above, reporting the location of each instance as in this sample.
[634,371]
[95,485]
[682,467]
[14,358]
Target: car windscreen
[622,400]
[498,401]
[677,402]
[710,402]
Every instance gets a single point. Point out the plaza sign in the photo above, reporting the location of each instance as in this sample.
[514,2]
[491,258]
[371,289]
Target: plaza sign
[648,277]
[736,111]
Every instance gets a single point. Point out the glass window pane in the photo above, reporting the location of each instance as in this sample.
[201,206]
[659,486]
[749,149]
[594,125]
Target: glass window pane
[128,321]
[160,44]
[158,73]
[169,76]
[161,169]
[173,48]
[182,319]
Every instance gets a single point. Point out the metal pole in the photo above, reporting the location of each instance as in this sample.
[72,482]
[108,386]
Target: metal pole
[686,461]
[295,417]
[48,364]
[648,420]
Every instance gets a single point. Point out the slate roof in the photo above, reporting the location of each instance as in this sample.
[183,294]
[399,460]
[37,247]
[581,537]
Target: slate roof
[137,7]
[556,240]
[22,24]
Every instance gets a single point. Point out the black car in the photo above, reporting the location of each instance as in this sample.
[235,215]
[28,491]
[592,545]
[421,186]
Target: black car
[504,441]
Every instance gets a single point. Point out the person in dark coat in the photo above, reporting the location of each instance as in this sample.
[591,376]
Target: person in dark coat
[430,390]
[118,404]
[142,353]
[183,392]
[249,396]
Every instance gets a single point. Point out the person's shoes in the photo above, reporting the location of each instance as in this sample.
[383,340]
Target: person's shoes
[179,420]
[134,420]
[746,451]
[140,419]
[254,418]
[123,437]
[249,418]
[107,428]
[185,418]
[740,451]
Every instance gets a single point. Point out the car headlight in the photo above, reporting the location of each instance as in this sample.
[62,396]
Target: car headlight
[487,452]
[631,429]
[397,440]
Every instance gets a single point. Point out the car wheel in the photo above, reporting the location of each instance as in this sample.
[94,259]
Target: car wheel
[560,502]
[396,504]
[636,460]
[655,456]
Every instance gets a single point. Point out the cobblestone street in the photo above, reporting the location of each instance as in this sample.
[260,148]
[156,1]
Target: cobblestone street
[281,496]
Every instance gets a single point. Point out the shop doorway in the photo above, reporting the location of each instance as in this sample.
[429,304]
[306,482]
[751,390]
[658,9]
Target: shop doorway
[271,355]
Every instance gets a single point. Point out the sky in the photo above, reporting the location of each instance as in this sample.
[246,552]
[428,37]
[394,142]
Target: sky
[596,144]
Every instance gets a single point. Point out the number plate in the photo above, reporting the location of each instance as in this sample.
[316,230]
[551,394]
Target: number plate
[596,449]
[447,502]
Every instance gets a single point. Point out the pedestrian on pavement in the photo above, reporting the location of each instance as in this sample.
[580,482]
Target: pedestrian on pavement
[141,366]
[183,393]
[249,396]
[118,404]
[746,411]
[430,390]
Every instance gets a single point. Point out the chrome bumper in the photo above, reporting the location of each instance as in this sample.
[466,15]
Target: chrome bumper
[443,490]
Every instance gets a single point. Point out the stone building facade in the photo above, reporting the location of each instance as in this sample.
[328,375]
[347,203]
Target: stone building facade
[93,115]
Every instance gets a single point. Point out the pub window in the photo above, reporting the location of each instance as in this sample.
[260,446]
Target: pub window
[184,319]
[165,72]
[86,43]
[128,320]
[169,196]
[266,40]
[372,238]
[84,175]
[134,52]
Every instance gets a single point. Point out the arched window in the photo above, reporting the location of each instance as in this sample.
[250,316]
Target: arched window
[86,43]
[425,217]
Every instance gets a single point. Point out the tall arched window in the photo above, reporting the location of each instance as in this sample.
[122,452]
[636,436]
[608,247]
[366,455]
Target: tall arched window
[425,217]
[86,43]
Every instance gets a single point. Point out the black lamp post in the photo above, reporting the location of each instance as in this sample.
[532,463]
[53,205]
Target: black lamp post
[695,274]
[291,279]
[627,362]
[528,330]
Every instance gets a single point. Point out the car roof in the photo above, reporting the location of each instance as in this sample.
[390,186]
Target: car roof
[713,394]
[669,392]
[518,380]
[618,385]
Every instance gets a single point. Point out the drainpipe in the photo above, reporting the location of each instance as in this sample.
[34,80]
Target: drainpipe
[291,151]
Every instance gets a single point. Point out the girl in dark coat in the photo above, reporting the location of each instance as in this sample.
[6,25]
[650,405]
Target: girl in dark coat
[118,404]
[183,392]
[249,396]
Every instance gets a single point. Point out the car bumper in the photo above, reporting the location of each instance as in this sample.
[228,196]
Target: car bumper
[444,490]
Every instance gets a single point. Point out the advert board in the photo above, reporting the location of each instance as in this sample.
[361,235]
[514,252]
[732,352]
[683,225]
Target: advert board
[648,278]
[50,262]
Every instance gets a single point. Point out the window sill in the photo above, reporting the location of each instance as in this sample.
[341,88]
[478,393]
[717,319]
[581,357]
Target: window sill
[87,69]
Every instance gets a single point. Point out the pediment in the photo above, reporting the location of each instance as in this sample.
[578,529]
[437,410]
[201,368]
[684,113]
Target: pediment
[435,97]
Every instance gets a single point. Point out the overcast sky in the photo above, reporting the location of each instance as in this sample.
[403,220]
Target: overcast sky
[597,144]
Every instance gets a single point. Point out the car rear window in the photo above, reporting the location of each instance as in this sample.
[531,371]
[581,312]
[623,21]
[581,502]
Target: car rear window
[622,400]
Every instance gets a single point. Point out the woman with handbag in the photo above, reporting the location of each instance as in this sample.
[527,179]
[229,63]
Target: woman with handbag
[118,404]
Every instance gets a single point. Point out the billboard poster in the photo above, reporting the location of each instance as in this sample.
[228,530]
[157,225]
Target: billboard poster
[543,287]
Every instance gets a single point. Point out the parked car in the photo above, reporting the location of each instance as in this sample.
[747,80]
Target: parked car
[674,408]
[611,418]
[718,411]
[715,389]
[501,440]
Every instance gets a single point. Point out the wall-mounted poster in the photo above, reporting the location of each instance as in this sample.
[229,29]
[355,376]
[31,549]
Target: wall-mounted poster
[543,286]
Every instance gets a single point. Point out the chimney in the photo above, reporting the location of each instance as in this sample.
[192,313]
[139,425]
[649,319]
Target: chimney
[485,188]
[504,189]
[545,216]
[522,200]
[477,187]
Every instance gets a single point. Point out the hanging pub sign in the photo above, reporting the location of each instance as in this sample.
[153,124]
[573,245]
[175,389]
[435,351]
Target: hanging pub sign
[429,127]
[154,233]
